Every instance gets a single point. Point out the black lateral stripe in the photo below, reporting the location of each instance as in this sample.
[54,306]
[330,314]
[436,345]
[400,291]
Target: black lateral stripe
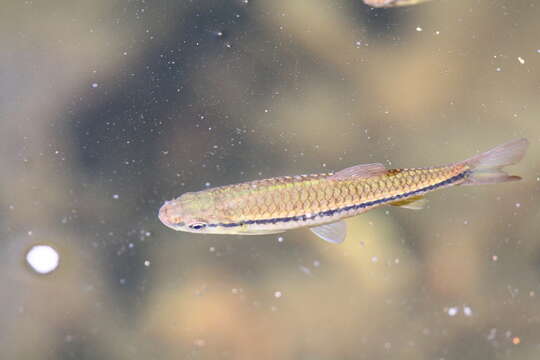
[332,212]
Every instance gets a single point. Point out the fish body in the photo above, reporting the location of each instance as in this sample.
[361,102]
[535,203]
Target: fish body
[321,201]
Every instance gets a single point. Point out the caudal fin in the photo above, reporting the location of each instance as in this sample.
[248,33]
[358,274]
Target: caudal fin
[487,168]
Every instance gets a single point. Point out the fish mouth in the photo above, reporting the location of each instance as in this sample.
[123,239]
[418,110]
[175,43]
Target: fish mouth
[166,217]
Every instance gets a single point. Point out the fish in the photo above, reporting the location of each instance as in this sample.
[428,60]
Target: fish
[392,3]
[321,202]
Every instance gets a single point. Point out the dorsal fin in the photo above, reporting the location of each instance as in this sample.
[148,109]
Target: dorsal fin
[362,170]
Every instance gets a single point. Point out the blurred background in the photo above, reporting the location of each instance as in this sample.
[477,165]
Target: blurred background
[109,108]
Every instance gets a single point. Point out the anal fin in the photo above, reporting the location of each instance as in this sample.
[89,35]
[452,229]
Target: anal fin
[413,203]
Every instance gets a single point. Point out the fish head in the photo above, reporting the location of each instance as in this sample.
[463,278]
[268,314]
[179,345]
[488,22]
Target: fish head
[191,212]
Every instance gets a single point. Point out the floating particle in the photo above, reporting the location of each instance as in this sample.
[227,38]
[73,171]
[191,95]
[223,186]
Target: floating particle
[199,342]
[453,311]
[116,196]
[146,263]
[277,294]
[516,340]
[280,239]
[418,28]
[467,311]
[43,259]
[521,60]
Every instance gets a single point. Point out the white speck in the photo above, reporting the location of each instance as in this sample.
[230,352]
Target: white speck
[280,239]
[518,205]
[465,222]
[116,196]
[453,311]
[538,51]
[122,281]
[207,184]
[316,263]
[235,291]
[418,28]
[277,294]
[95,85]
[437,32]
[492,334]
[43,258]
[374,259]
[396,261]
[212,249]
[146,262]
[199,342]
[467,311]
[266,110]
[494,258]
[305,270]
[358,43]
[498,69]
[521,60]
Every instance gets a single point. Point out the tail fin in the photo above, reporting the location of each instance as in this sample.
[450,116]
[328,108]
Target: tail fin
[486,168]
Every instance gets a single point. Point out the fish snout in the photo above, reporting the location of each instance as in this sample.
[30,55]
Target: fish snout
[166,214]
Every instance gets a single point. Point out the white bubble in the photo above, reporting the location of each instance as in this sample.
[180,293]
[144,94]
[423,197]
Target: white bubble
[453,311]
[277,294]
[95,85]
[521,60]
[116,196]
[467,311]
[146,262]
[43,259]
[418,28]
[280,239]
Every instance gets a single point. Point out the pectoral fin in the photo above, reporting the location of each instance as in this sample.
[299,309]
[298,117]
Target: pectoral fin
[334,233]
[413,203]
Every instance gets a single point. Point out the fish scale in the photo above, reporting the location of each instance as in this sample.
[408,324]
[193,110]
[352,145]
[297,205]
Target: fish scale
[316,193]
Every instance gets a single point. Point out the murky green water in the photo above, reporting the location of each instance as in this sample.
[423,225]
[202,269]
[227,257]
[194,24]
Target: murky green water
[107,109]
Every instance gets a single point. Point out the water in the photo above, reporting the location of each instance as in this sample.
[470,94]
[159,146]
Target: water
[107,109]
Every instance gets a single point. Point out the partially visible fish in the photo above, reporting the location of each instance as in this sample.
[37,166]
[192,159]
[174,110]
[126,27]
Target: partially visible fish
[392,3]
[322,201]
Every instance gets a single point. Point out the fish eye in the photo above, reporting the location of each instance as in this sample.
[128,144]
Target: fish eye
[197,226]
